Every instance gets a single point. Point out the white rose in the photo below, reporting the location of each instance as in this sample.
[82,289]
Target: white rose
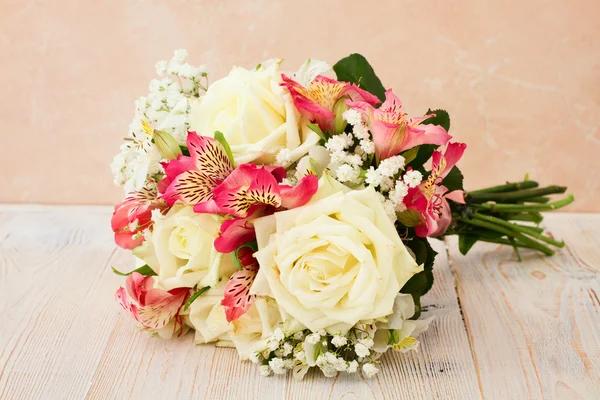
[247,334]
[207,316]
[180,249]
[256,115]
[334,261]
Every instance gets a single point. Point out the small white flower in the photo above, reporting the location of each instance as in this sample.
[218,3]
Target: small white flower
[273,345]
[413,178]
[351,116]
[347,173]
[264,370]
[254,358]
[299,335]
[367,342]
[161,67]
[180,56]
[338,157]
[354,159]
[339,341]
[313,338]
[373,177]
[300,356]
[340,364]
[352,367]
[330,357]
[337,143]
[367,146]
[277,365]
[288,363]
[156,215]
[322,332]
[390,166]
[287,349]
[360,131]
[361,350]
[284,157]
[386,183]
[370,370]
[278,334]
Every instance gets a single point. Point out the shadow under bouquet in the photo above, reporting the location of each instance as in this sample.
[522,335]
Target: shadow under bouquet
[287,214]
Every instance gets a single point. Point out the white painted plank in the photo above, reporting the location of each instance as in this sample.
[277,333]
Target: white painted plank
[535,325]
[63,337]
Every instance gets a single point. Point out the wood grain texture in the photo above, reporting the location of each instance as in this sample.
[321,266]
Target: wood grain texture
[535,325]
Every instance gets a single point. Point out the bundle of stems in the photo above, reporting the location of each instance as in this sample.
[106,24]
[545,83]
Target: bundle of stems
[508,214]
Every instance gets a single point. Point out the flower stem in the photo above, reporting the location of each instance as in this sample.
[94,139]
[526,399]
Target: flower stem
[520,195]
[531,231]
[509,187]
[526,207]
[509,233]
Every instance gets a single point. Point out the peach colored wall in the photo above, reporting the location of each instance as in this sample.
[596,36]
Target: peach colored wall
[521,79]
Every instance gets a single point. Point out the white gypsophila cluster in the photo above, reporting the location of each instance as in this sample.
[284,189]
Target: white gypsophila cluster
[166,108]
[302,350]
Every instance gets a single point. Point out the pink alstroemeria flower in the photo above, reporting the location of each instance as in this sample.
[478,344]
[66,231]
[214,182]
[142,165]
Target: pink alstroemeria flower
[429,198]
[393,131]
[133,215]
[251,191]
[153,308]
[317,100]
[192,179]
[237,299]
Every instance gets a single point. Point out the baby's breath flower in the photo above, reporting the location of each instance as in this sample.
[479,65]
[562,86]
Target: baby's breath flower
[161,67]
[347,173]
[287,349]
[353,117]
[300,356]
[278,334]
[390,166]
[413,178]
[352,367]
[370,370]
[367,146]
[373,177]
[339,341]
[340,364]
[361,350]
[284,157]
[368,342]
[313,338]
[360,131]
[299,335]
[265,370]
[277,365]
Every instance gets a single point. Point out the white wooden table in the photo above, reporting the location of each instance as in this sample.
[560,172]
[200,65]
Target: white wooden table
[503,329]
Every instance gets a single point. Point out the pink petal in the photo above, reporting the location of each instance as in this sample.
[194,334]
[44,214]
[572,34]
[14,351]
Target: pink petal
[126,241]
[190,187]
[237,299]
[210,156]
[457,196]
[425,134]
[300,194]
[235,232]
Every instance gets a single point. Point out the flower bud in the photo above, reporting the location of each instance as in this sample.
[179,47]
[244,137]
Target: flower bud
[167,145]
[339,123]
[410,218]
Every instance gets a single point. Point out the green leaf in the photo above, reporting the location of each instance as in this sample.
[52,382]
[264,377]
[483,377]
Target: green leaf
[356,69]
[219,137]
[235,254]
[410,155]
[424,153]
[194,297]
[420,283]
[184,150]
[454,180]
[441,118]
[316,129]
[465,242]
[144,270]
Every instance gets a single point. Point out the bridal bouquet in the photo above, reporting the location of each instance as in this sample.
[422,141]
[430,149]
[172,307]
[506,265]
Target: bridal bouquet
[286,214]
